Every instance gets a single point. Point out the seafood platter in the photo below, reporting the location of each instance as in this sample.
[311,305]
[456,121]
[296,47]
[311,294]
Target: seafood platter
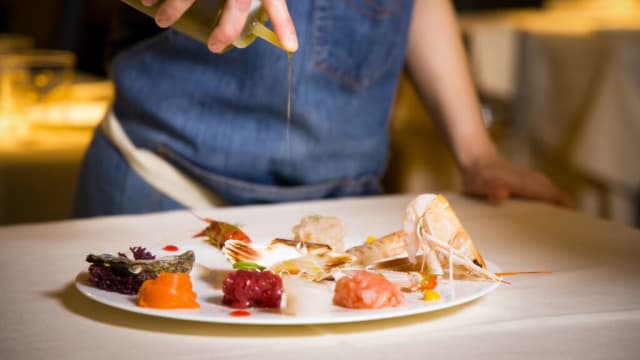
[317,276]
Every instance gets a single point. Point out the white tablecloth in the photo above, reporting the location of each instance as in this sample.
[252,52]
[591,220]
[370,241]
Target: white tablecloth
[588,308]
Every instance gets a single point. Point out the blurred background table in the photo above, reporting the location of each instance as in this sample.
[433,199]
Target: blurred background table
[565,81]
[38,169]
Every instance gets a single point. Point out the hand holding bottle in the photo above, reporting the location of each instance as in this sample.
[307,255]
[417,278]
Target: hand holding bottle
[232,20]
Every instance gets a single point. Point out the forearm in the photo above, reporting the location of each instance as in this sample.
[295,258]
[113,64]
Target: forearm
[438,67]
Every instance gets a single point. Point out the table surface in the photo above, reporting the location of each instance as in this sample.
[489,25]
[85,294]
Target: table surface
[588,308]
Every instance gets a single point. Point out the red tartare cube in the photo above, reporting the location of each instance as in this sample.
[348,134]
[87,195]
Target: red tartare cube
[248,288]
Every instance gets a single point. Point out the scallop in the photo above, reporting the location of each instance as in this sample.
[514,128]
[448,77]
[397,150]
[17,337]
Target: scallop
[308,260]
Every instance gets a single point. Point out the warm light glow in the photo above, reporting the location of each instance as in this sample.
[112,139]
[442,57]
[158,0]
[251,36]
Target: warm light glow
[84,105]
[621,7]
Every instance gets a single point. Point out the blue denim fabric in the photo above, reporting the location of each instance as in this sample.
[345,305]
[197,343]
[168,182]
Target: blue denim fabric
[222,118]
[108,185]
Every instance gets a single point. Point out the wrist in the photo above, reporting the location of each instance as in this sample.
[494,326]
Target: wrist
[472,153]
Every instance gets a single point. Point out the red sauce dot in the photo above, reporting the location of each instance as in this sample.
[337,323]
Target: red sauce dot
[170,248]
[239,313]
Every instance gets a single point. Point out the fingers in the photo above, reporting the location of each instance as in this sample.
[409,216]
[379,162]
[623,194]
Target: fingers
[170,11]
[567,201]
[552,194]
[539,186]
[501,181]
[232,21]
[234,16]
[498,194]
[486,187]
[533,185]
[282,23]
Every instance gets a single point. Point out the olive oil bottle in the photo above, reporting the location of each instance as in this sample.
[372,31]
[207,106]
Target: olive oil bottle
[203,16]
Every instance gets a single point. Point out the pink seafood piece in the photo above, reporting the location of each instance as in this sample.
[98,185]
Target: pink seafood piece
[366,290]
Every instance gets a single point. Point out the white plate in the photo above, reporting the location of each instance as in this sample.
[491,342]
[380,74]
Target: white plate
[211,267]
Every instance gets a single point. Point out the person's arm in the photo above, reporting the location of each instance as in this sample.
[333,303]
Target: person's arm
[437,65]
[232,20]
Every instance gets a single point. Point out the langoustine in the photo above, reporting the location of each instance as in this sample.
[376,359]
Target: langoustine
[430,229]
[433,228]
[385,247]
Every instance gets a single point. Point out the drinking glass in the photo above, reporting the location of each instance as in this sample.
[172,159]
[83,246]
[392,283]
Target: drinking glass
[34,87]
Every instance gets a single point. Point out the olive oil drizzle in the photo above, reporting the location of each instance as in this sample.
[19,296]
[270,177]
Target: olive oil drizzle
[287,135]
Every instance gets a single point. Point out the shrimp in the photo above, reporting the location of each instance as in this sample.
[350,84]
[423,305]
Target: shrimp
[432,229]
[382,248]
[218,232]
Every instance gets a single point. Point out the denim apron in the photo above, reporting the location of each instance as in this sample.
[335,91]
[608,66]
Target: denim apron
[221,119]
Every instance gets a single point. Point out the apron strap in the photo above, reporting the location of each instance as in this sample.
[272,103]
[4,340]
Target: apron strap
[157,172]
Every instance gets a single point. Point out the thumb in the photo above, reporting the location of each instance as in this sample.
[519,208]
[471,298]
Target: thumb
[498,194]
